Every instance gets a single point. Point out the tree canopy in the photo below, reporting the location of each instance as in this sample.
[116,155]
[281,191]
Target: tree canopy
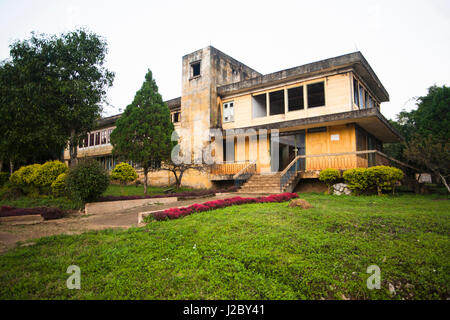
[143,132]
[52,88]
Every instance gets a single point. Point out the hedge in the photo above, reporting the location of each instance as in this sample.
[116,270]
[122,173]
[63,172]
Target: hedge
[329,176]
[47,213]
[175,213]
[373,179]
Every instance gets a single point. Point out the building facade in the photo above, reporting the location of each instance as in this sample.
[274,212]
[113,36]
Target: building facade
[284,126]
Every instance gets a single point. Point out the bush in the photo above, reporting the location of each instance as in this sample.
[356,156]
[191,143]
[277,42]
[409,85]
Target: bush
[25,175]
[45,212]
[87,181]
[329,176]
[59,186]
[124,172]
[376,178]
[47,173]
[4,177]
[357,180]
[384,177]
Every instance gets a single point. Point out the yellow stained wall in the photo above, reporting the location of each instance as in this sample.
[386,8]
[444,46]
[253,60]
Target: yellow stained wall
[337,99]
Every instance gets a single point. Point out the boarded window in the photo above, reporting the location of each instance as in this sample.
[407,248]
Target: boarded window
[259,105]
[295,99]
[276,102]
[228,111]
[316,95]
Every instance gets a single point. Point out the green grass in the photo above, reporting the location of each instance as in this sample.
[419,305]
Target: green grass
[132,190]
[254,251]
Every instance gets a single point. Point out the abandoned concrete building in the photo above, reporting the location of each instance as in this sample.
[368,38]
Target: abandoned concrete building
[274,129]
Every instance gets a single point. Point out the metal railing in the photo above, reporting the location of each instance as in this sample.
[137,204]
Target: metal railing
[298,164]
[244,174]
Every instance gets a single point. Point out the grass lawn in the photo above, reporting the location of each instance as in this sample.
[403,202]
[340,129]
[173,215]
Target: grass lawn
[254,251]
[131,190]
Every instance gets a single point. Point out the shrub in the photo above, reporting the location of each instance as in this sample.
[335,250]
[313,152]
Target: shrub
[47,173]
[376,178]
[59,186]
[329,176]
[124,172]
[25,175]
[357,180]
[4,177]
[384,177]
[87,181]
[45,212]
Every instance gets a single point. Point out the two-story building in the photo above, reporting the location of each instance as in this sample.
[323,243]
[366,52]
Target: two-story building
[269,131]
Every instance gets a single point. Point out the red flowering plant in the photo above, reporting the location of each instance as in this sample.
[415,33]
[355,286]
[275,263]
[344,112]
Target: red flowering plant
[175,213]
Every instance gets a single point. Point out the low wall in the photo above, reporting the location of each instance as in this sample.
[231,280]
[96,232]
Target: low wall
[114,206]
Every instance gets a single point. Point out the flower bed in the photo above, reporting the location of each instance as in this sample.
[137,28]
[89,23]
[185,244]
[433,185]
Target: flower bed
[174,213]
[46,212]
[191,194]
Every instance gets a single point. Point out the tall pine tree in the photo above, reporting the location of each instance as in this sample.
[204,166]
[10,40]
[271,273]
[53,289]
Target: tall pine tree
[143,132]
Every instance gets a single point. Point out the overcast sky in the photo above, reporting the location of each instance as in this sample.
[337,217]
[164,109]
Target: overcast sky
[406,42]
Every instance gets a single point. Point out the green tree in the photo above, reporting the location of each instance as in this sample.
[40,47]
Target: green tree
[143,132]
[52,88]
[124,173]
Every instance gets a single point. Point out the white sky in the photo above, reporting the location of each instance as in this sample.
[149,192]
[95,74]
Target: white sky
[406,42]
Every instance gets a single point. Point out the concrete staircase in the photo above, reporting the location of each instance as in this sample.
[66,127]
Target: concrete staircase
[262,183]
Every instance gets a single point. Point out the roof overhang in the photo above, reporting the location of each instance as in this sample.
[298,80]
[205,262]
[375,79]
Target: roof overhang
[370,120]
[354,61]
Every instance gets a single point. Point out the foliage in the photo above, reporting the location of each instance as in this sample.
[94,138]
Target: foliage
[59,186]
[384,177]
[329,176]
[45,212]
[431,154]
[47,173]
[87,181]
[431,118]
[357,180]
[25,176]
[124,172]
[21,201]
[367,180]
[51,89]
[143,132]
[250,252]
[4,177]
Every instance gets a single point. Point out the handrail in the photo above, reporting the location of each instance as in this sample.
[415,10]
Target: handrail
[242,171]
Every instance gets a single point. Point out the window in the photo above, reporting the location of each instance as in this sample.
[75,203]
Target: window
[355,92]
[195,69]
[228,111]
[103,137]
[176,117]
[316,95]
[259,104]
[361,97]
[317,129]
[97,138]
[366,100]
[91,139]
[276,102]
[108,139]
[228,148]
[295,99]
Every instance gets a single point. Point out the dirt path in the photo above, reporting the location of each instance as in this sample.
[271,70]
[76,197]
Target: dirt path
[77,223]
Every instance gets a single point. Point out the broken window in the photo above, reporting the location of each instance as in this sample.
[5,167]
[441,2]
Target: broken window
[276,102]
[259,106]
[195,69]
[316,95]
[295,99]
[228,112]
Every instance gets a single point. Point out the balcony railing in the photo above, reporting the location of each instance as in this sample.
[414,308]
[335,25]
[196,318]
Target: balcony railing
[228,168]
